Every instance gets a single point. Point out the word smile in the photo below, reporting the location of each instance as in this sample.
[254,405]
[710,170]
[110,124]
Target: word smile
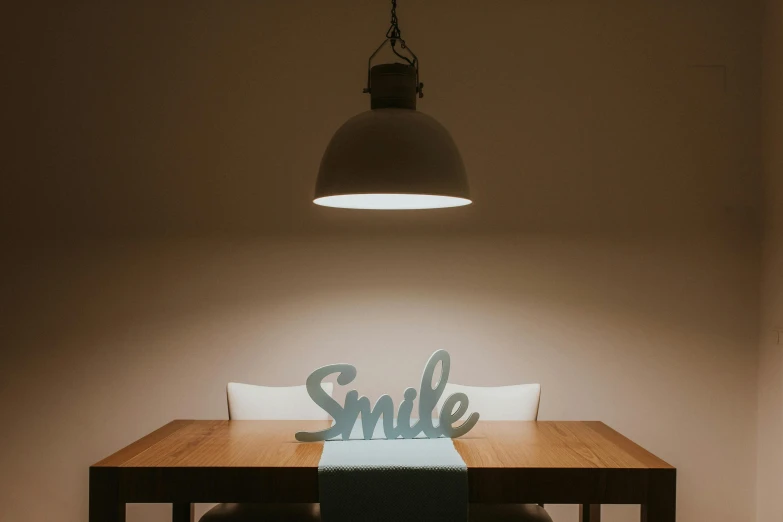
[454,407]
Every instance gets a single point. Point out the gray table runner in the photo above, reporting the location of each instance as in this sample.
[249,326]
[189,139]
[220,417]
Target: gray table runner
[414,480]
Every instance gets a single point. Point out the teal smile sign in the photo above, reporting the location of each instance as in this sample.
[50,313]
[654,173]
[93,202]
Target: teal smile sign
[345,416]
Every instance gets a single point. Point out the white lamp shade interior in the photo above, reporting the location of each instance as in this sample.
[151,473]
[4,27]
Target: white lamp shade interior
[391,201]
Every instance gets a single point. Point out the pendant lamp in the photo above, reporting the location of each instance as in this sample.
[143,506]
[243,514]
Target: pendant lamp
[392,157]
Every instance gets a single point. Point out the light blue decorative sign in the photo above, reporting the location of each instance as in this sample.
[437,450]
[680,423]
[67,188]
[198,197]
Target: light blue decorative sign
[345,416]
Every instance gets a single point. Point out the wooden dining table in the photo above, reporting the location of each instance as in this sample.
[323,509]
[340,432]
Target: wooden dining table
[550,462]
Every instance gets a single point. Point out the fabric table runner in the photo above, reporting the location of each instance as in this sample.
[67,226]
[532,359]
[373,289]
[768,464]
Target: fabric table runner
[401,480]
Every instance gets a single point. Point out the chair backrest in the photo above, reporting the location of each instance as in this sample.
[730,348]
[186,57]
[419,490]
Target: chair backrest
[251,402]
[516,402]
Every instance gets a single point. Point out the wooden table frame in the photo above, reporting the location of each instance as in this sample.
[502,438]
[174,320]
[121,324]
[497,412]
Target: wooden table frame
[585,463]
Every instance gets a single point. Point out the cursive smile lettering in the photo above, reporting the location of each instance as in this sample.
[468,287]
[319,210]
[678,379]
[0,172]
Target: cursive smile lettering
[355,405]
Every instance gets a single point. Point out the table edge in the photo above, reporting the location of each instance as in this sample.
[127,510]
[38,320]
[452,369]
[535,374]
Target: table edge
[627,445]
[118,458]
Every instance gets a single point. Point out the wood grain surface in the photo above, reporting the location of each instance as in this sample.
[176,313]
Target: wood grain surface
[570,462]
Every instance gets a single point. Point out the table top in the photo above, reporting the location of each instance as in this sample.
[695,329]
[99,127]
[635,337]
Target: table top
[490,445]
[261,461]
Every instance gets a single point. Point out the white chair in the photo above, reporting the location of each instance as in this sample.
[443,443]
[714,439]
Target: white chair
[249,402]
[518,402]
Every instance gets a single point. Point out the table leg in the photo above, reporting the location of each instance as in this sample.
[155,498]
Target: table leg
[182,512]
[105,505]
[590,513]
[661,502]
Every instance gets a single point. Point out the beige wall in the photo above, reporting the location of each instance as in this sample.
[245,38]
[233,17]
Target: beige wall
[770,463]
[159,240]
[655,338]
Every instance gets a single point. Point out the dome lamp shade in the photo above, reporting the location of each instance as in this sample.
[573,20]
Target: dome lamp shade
[392,157]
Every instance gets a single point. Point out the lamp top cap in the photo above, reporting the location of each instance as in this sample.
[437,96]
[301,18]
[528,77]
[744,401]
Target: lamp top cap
[393,86]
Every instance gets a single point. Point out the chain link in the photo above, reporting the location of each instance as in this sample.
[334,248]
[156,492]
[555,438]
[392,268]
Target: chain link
[394,30]
[394,35]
